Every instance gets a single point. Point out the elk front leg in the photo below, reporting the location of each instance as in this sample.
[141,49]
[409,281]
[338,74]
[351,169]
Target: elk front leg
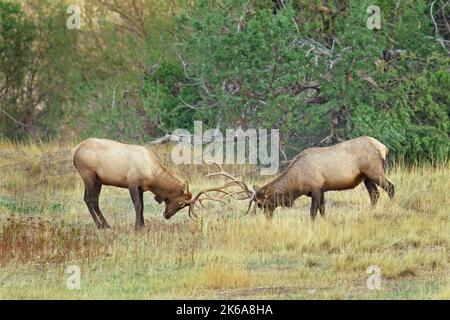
[322,205]
[137,198]
[316,197]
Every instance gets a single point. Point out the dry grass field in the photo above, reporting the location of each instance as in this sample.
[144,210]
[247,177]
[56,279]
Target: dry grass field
[45,227]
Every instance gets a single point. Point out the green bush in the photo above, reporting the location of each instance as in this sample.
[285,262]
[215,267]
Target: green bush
[230,64]
[17,34]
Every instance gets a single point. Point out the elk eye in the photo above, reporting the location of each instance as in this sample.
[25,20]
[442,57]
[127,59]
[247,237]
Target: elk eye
[181,204]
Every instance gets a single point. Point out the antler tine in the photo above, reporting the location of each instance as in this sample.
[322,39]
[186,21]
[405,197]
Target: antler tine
[234,180]
[191,212]
[197,198]
[230,184]
[233,195]
[252,199]
[208,197]
[216,164]
[249,207]
[221,172]
[204,192]
[218,189]
[225,192]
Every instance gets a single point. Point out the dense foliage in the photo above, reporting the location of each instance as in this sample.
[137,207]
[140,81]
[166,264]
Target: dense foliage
[138,69]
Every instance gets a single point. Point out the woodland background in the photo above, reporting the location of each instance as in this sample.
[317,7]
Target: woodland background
[138,69]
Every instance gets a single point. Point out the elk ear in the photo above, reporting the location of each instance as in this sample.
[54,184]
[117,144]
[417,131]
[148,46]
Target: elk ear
[256,188]
[159,199]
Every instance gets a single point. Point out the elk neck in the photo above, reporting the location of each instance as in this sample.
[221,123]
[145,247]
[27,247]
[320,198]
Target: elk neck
[284,188]
[165,185]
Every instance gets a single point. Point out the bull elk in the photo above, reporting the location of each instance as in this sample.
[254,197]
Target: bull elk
[317,170]
[106,162]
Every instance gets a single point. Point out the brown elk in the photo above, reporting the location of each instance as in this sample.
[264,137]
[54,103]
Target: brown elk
[317,170]
[106,162]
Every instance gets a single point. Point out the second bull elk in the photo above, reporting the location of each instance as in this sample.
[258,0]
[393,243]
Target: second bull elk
[317,170]
[106,162]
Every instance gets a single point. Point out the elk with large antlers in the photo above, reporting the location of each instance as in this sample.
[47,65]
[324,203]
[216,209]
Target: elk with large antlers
[106,162]
[317,170]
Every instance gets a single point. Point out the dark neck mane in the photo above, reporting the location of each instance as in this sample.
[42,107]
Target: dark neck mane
[281,185]
[166,185]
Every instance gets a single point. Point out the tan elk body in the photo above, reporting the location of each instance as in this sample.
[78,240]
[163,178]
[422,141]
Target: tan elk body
[317,170]
[106,162]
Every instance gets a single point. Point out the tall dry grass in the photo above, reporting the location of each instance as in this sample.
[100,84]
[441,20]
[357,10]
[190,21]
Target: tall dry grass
[45,227]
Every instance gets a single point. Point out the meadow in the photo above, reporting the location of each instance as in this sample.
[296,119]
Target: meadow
[45,227]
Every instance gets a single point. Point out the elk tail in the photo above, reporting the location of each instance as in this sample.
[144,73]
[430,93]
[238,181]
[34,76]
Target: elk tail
[73,151]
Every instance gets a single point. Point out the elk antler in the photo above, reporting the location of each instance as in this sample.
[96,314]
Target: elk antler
[234,181]
[252,199]
[197,198]
[222,189]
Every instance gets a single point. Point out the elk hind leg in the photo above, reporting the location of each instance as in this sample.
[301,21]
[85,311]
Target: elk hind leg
[96,195]
[88,199]
[376,174]
[386,185]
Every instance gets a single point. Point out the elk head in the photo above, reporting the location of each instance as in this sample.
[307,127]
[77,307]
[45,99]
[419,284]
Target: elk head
[185,199]
[262,199]
[175,204]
